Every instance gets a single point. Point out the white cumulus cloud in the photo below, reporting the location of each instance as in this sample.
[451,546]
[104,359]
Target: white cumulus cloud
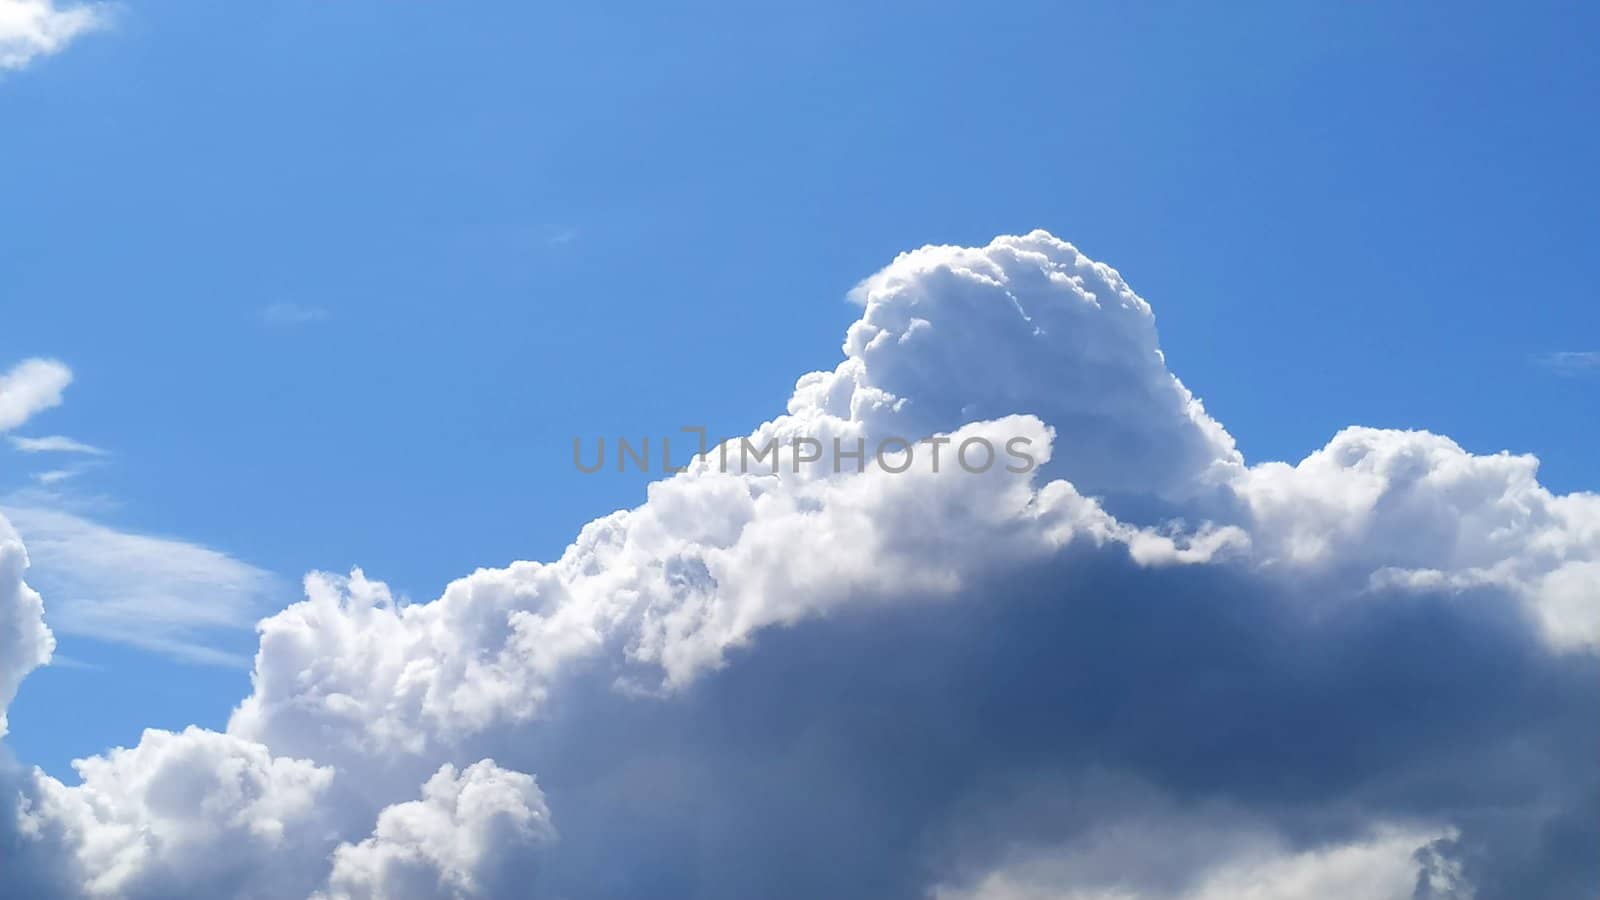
[198,812]
[1368,673]
[31,386]
[474,833]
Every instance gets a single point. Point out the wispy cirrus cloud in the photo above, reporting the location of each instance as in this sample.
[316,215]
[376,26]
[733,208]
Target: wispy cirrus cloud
[33,28]
[54,443]
[1570,362]
[160,594]
[164,595]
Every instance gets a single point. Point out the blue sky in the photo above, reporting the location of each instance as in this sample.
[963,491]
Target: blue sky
[339,283]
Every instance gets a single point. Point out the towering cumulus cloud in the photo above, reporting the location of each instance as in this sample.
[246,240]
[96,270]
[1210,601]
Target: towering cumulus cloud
[1136,668]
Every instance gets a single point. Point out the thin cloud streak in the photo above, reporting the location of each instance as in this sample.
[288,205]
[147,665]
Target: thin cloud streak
[54,443]
[1570,362]
[166,596]
[291,314]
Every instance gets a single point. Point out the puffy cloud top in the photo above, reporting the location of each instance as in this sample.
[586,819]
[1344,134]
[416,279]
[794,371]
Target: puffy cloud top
[472,834]
[951,335]
[1412,509]
[207,811]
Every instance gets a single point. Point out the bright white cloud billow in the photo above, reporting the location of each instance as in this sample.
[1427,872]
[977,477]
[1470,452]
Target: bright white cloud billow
[34,28]
[1413,510]
[474,833]
[1142,670]
[199,809]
